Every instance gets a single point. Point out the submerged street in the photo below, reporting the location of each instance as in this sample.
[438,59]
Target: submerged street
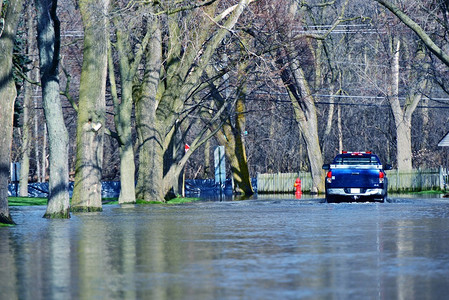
[269,248]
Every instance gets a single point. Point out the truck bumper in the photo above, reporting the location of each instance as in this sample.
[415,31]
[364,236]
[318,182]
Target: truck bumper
[355,192]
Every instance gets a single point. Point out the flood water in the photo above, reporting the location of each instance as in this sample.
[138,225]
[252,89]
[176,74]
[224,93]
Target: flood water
[255,249]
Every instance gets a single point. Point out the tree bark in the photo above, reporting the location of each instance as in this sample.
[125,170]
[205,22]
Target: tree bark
[122,118]
[43,157]
[48,29]
[403,145]
[8,94]
[340,130]
[146,105]
[403,116]
[207,172]
[27,95]
[128,69]
[36,136]
[306,117]
[92,107]
[232,137]
[25,153]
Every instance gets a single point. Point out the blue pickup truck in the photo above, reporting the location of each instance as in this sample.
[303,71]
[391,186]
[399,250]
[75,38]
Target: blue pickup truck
[356,176]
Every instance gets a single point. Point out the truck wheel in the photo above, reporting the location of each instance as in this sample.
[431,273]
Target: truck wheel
[330,199]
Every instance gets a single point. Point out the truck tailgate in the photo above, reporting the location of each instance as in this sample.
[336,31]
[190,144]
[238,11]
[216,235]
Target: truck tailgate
[357,178]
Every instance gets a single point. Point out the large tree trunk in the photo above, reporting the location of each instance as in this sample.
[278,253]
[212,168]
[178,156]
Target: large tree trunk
[49,45]
[25,153]
[303,102]
[8,95]
[403,116]
[239,167]
[128,68]
[123,122]
[92,106]
[404,144]
[147,186]
[403,131]
[306,116]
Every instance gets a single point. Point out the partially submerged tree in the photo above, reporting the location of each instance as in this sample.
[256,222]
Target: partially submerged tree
[91,107]
[9,15]
[232,131]
[146,105]
[48,29]
[403,113]
[186,57]
[26,120]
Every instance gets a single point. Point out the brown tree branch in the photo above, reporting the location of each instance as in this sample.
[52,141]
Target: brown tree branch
[427,40]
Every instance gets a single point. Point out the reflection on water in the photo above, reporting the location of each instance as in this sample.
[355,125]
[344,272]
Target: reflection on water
[257,249]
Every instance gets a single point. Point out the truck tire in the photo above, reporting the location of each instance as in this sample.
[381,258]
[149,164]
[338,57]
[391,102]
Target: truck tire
[330,199]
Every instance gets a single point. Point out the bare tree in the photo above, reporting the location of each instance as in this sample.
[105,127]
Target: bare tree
[232,131]
[184,65]
[91,113]
[420,31]
[48,29]
[8,94]
[128,66]
[26,121]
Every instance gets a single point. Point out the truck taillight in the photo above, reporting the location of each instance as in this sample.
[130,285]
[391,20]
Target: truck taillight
[381,177]
[329,176]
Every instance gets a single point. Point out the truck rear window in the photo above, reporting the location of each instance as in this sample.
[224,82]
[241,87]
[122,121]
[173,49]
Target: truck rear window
[356,160]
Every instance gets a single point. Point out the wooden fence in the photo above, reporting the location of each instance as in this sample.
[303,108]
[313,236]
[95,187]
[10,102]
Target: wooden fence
[415,180]
[283,182]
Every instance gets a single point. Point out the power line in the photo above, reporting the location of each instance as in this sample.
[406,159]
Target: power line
[377,105]
[348,96]
[376,97]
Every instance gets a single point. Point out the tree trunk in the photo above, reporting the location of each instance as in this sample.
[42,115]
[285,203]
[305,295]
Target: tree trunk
[48,28]
[232,138]
[404,145]
[240,172]
[8,95]
[425,123]
[128,69]
[27,95]
[36,138]
[306,116]
[44,163]
[340,130]
[403,116]
[25,155]
[92,106]
[147,187]
[207,172]
[123,123]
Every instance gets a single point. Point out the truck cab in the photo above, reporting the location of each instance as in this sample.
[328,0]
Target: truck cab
[356,176]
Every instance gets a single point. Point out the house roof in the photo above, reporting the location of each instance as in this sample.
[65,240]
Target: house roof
[444,142]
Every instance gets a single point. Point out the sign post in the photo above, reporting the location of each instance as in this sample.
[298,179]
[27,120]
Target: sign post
[220,166]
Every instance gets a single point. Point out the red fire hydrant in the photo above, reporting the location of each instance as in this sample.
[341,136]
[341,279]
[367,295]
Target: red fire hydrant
[297,186]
